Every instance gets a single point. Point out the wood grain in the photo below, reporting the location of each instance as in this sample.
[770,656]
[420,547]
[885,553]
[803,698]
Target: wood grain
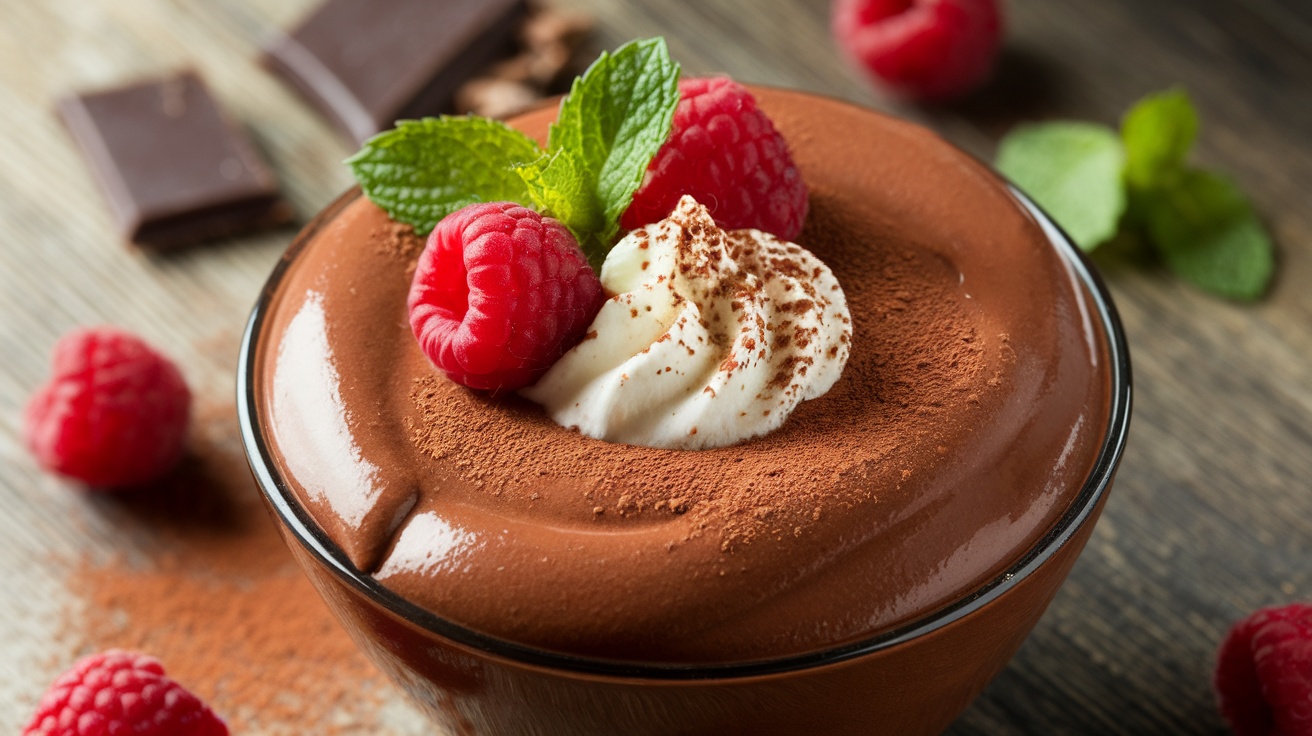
[1212,512]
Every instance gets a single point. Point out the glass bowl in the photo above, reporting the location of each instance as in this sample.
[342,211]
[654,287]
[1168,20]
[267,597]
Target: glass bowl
[914,679]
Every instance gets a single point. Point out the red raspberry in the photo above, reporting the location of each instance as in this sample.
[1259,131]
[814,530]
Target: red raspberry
[726,153]
[929,50]
[1264,673]
[119,692]
[499,294]
[114,413]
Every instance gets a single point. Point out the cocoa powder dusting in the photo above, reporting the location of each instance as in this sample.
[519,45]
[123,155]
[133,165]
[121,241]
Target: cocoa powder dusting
[909,374]
[217,598]
[397,240]
[924,453]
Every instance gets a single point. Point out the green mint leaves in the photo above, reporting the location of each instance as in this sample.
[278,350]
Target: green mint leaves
[1200,222]
[1208,234]
[1073,171]
[615,119]
[1096,183]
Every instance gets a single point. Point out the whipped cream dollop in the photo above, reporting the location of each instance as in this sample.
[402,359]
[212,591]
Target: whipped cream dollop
[712,337]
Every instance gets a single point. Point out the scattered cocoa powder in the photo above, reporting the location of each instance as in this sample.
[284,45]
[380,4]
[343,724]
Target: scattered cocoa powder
[206,586]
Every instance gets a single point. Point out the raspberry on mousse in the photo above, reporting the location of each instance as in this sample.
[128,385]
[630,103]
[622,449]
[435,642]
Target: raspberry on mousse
[726,154]
[500,292]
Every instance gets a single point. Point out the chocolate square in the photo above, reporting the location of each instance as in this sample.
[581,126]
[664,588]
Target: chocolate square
[174,169]
[366,65]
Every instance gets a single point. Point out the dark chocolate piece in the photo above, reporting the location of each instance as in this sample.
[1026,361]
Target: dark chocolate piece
[174,169]
[368,64]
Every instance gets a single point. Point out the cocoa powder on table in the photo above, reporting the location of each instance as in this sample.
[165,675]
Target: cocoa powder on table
[207,587]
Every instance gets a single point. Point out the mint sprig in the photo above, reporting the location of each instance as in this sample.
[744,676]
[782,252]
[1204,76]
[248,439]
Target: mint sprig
[1198,223]
[614,120]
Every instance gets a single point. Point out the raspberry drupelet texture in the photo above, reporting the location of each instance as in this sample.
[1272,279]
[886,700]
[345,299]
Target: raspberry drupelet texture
[114,413]
[500,293]
[928,50]
[119,692]
[1264,673]
[726,153]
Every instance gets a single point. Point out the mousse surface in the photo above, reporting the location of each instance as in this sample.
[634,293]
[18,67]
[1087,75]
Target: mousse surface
[968,417]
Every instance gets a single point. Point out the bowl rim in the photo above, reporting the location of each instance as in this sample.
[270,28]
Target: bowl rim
[326,553]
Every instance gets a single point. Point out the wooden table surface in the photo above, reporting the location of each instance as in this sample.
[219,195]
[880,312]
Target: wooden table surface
[1212,512]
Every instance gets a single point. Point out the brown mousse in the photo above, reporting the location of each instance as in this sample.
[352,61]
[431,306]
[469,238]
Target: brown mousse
[967,418]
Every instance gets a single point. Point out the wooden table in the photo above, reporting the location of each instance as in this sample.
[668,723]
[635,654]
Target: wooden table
[1212,513]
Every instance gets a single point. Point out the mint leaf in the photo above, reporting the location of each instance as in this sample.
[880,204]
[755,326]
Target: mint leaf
[423,170]
[1158,133]
[557,183]
[615,119]
[1073,171]
[1208,234]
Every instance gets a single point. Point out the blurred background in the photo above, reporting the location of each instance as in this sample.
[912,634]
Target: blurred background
[1211,516]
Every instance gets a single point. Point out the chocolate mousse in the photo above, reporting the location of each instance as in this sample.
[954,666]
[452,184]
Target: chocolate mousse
[968,417]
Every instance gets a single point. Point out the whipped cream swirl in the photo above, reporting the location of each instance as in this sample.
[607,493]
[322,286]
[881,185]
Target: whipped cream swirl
[712,337]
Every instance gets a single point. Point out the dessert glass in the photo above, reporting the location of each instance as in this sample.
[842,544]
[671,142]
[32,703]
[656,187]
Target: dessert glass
[913,679]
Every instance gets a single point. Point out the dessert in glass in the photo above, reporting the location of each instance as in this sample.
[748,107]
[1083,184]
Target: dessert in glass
[865,565]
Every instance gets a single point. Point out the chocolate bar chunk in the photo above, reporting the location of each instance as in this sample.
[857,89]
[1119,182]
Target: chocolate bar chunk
[173,167]
[368,64]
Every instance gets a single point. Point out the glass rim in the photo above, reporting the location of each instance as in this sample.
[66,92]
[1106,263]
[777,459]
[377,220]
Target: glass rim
[313,540]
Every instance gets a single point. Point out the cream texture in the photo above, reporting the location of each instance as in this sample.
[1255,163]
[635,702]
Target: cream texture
[712,338]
